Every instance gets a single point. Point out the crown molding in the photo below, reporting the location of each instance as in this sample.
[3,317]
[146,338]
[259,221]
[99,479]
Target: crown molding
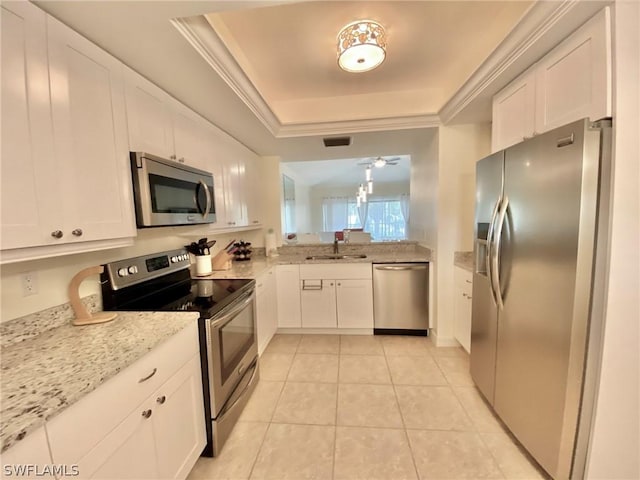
[525,44]
[358,126]
[202,37]
[537,22]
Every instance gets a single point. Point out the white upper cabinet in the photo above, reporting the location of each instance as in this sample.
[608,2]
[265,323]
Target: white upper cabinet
[148,116]
[90,135]
[574,79]
[192,138]
[65,173]
[514,112]
[571,82]
[253,179]
[28,164]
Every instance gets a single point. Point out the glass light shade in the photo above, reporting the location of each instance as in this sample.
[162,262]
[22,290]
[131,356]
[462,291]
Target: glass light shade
[370,187]
[379,163]
[361,46]
[368,174]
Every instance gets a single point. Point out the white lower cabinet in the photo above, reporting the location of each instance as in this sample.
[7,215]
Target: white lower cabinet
[147,422]
[32,453]
[462,307]
[318,303]
[288,282]
[354,303]
[267,308]
[336,296]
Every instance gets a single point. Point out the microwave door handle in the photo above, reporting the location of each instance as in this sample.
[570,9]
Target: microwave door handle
[206,191]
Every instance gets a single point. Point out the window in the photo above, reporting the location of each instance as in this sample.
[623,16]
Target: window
[384,218]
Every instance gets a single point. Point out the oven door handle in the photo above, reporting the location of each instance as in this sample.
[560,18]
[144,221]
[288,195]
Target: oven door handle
[217,322]
[227,407]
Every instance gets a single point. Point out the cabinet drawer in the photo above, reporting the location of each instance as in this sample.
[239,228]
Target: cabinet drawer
[79,428]
[335,272]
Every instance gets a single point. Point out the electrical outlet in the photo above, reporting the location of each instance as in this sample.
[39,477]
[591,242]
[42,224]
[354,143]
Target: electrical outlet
[29,284]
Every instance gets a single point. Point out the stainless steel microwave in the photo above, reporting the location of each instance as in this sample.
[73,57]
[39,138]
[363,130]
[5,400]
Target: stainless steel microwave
[169,193]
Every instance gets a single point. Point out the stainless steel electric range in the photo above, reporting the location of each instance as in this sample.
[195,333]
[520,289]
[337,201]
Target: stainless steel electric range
[227,329]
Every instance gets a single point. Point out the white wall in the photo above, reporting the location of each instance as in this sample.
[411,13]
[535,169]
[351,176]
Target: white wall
[54,274]
[615,443]
[320,191]
[272,190]
[303,199]
[442,206]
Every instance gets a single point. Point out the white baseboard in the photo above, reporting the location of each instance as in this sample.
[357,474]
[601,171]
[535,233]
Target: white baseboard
[328,331]
[440,341]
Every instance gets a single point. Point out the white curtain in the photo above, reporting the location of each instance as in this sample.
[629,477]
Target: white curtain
[363,210]
[404,208]
[334,213]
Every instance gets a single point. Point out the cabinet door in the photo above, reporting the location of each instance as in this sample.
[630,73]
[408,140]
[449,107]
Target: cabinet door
[178,421]
[288,285]
[127,452]
[462,307]
[190,138]
[267,309]
[28,187]
[254,190]
[514,112]
[574,79]
[318,303]
[148,117]
[234,201]
[89,120]
[33,451]
[354,303]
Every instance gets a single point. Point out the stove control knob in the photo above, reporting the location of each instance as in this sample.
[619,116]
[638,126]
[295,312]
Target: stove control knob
[123,272]
[174,259]
[133,269]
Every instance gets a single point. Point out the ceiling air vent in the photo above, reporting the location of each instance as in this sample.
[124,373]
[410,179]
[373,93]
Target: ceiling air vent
[337,141]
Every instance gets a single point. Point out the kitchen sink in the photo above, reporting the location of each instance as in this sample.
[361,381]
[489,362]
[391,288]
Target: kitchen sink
[334,257]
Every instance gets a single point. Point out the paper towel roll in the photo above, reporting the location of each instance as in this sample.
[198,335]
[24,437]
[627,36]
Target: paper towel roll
[270,245]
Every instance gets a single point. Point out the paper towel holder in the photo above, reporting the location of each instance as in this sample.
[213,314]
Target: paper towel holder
[83,317]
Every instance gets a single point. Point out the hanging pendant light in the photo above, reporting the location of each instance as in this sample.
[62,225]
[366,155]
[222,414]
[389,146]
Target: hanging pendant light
[361,46]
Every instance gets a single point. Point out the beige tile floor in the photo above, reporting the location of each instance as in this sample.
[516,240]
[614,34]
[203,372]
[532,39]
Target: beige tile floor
[366,407]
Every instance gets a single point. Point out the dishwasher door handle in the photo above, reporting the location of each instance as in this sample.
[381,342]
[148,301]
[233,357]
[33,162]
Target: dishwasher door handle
[401,267]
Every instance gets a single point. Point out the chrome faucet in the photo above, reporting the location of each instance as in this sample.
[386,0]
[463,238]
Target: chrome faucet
[335,245]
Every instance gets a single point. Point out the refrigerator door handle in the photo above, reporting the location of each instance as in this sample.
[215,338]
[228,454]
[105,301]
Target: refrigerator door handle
[490,233]
[495,277]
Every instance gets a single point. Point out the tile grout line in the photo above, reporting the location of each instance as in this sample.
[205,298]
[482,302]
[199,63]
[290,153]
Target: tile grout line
[404,425]
[335,427]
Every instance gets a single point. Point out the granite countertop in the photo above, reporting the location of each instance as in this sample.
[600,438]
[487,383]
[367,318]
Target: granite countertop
[258,265]
[463,260]
[43,375]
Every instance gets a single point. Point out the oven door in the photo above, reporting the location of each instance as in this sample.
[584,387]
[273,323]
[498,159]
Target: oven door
[169,193]
[232,348]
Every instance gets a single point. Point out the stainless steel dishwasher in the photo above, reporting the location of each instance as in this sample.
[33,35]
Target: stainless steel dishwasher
[401,298]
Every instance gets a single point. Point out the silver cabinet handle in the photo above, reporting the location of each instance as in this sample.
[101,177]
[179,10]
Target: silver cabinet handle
[161,399]
[468,281]
[146,413]
[181,159]
[77,232]
[148,376]
[172,157]
[256,221]
[57,234]
[403,267]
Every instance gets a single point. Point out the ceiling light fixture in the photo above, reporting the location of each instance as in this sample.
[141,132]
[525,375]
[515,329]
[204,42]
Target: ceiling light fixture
[379,163]
[361,46]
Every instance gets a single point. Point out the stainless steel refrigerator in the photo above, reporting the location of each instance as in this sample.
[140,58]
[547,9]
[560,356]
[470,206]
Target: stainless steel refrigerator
[540,247]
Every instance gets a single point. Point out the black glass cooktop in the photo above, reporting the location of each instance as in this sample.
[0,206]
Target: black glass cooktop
[176,292]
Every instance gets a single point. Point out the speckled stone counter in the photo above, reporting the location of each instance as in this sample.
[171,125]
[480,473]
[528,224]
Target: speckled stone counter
[463,260]
[298,255]
[43,375]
